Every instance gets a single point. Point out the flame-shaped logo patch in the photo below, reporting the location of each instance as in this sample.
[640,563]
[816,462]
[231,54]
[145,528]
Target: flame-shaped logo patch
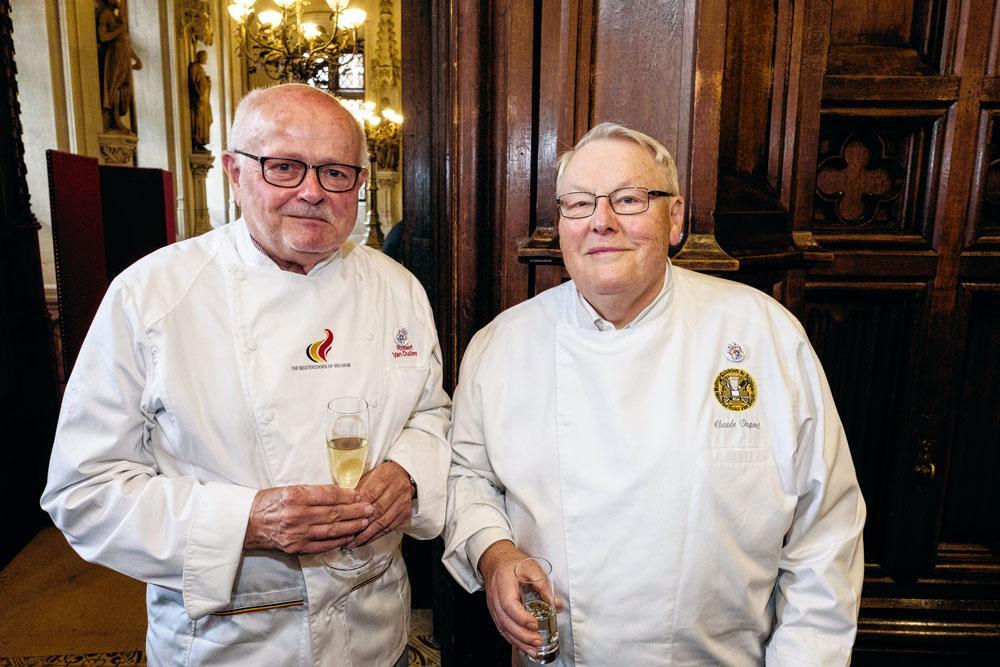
[317,351]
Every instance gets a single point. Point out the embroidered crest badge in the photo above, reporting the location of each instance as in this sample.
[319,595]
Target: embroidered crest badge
[735,389]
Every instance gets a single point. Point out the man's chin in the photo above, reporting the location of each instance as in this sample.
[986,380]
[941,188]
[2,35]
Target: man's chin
[318,242]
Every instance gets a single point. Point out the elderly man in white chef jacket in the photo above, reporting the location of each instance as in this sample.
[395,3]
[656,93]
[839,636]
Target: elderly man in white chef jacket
[665,438]
[190,450]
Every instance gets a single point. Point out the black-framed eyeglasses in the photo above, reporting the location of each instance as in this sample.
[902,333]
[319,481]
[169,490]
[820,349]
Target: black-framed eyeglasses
[624,201]
[284,172]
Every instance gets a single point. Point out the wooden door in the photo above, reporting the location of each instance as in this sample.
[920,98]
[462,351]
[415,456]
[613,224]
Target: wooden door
[907,316]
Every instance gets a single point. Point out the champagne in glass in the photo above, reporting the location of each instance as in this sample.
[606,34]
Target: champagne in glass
[347,460]
[347,453]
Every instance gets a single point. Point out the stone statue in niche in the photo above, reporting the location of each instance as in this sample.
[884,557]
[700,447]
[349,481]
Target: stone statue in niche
[199,99]
[117,60]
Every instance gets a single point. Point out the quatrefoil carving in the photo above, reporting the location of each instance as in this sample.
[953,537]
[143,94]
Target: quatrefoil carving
[861,181]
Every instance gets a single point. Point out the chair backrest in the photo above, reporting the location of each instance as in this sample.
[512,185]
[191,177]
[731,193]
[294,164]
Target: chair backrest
[103,220]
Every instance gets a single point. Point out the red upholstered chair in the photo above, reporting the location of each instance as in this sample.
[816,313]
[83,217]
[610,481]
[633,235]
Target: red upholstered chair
[103,220]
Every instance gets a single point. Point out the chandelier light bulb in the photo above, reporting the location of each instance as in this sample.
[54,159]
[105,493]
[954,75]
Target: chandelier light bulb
[337,5]
[237,12]
[284,3]
[246,4]
[269,18]
[351,18]
[310,30]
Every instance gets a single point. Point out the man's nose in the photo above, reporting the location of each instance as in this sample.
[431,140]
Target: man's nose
[604,220]
[309,189]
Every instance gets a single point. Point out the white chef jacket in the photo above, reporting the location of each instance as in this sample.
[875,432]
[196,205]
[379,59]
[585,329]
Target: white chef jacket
[684,529]
[204,378]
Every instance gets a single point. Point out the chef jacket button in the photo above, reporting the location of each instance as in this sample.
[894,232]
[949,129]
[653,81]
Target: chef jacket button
[369,335]
[240,275]
[269,416]
[564,420]
[252,346]
[374,404]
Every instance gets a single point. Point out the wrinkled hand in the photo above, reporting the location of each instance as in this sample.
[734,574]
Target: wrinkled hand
[387,487]
[306,519]
[503,597]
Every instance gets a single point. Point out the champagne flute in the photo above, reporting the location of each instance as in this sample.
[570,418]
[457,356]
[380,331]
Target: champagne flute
[347,451]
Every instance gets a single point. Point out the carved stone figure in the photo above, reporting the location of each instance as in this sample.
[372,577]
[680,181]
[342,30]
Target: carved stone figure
[117,60]
[199,99]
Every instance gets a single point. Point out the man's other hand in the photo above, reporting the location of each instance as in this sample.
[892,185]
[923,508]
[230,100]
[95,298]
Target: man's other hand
[388,488]
[503,597]
[306,519]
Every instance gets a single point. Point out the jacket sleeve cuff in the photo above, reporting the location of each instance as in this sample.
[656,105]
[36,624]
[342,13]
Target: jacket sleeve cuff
[481,524]
[215,547]
[797,649]
[477,545]
[427,464]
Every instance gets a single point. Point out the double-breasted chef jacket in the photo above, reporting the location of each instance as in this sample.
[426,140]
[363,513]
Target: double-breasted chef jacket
[688,477]
[204,378]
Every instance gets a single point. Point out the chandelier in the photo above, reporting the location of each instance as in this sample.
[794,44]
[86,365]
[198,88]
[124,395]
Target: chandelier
[288,48]
[383,131]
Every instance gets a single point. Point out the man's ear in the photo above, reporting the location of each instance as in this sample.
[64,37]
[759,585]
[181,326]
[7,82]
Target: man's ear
[231,166]
[676,220]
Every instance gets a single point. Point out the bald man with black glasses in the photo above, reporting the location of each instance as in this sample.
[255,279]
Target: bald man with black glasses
[191,450]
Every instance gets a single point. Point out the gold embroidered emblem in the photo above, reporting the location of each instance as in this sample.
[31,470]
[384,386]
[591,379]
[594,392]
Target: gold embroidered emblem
[735,389]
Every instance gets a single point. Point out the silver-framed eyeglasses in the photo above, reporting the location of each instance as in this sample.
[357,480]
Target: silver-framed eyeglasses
[285,172]
[624,201]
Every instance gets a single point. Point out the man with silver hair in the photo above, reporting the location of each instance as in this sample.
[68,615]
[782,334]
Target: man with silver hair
[666,439]
[191,450]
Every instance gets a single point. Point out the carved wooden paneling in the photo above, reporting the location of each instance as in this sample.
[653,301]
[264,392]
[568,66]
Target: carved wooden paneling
[747,82]
[864,334]
[877,176]
[972,502]
[643,93]
[985,222]
[993,62]
[890,37]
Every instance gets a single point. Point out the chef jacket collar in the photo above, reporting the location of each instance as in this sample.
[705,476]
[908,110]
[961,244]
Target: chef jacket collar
[587,316]
[252,254]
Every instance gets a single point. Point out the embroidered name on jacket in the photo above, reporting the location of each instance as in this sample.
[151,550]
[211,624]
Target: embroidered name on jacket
[403,347]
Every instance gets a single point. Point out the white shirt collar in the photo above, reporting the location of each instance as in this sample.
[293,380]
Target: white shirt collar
[588,318]
[253,254]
